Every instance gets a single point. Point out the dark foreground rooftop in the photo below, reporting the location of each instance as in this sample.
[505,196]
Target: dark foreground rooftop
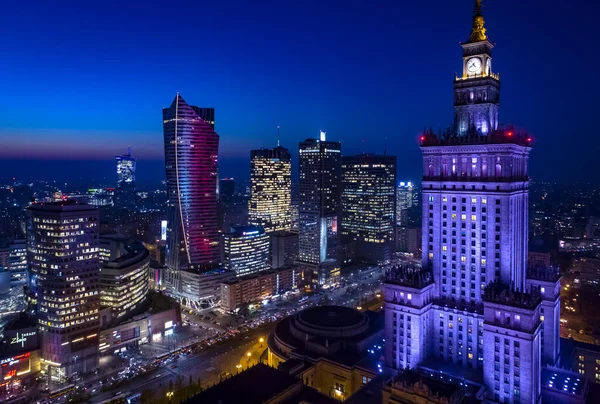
[256,385]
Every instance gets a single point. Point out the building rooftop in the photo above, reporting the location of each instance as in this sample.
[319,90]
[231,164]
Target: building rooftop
[496,292]
[20,321]
[257,385]
[500,136]
[413,277]
[66,205]
[546,274]
[241,231]
[331,316]
[564,381]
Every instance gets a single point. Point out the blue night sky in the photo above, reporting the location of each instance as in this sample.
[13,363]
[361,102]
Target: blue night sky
[81,80]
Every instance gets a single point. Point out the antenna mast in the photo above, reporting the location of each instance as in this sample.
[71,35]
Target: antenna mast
[278,135]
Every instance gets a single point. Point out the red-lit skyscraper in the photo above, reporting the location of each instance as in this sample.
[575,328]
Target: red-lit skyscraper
[191,148]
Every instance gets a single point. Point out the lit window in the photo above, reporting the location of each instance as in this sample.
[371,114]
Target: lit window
[470,355]
[542,319]
[445,199]
[473,200]
[444,248]
[473,217]
[543,290]
[484,200]
[409,296]
[463,259]
[454,216]
[483,261]
[430,255]
[463,216]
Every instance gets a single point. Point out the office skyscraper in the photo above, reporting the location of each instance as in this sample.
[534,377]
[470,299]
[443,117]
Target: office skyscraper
[125,192]
[63,284]
[404,201]
[368,206]
[246,250]
[473,306]
[226,189]
[319,208]
[191,149]
[270,189]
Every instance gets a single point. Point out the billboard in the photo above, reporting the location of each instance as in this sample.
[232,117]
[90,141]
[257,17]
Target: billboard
[163,230]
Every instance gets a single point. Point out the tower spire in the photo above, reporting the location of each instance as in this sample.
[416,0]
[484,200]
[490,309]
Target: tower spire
[478,31]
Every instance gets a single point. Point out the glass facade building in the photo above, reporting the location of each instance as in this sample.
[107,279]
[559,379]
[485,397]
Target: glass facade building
[62,252]
[124,274]
[270,189]
[319,208]
[404,201]
[368,203]
[191,149]
[124,196]
[246,250]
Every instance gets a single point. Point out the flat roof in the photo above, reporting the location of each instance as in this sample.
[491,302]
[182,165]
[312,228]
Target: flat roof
[253,386]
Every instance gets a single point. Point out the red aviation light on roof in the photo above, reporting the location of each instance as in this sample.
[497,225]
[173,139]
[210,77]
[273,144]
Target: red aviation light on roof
[422,138]
[509,134]
[528,140]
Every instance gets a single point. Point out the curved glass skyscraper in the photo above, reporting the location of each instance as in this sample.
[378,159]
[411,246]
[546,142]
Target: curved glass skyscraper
[191,148]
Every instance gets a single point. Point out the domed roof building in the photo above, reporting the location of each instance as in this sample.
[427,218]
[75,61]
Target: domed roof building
[329,347]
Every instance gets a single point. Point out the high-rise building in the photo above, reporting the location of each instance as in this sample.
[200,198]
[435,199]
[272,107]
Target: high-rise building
[246,250]
[368,206]
[125,192]
[191,149]
[472,305]
[404,201]
[18,258]
[124,274]
[270,189]
[319,208]
[284,248]
[226,189]
[64,282]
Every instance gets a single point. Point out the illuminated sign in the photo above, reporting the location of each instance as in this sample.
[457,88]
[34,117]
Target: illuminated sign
[14,359]
[163,230]
[168,324]
[168,332]
[250,233]
[22,338]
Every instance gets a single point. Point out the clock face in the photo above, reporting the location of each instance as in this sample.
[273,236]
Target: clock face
[474,65]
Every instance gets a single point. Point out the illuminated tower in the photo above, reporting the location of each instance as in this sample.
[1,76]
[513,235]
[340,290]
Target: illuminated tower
[125,191]
[368,203]
[271,189]
[477,90]
[319,208]
[471,304]
[191,149]
[64,281]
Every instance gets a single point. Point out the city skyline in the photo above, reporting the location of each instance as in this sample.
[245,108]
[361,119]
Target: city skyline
[315,69]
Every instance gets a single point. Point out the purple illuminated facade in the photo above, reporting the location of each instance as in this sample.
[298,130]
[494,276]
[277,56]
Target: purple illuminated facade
[191,149]
[472,309]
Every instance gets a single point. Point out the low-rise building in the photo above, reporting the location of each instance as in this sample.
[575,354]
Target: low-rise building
[257,287]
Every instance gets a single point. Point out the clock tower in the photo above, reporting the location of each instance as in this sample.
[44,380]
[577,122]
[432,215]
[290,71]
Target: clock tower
[477,91]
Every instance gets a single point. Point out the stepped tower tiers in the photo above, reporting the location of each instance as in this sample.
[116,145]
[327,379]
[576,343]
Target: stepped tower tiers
[477,90]
[471,309]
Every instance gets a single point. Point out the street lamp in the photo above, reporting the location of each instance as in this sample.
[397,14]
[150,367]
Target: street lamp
[261,340]
[169,395]
[248,354]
